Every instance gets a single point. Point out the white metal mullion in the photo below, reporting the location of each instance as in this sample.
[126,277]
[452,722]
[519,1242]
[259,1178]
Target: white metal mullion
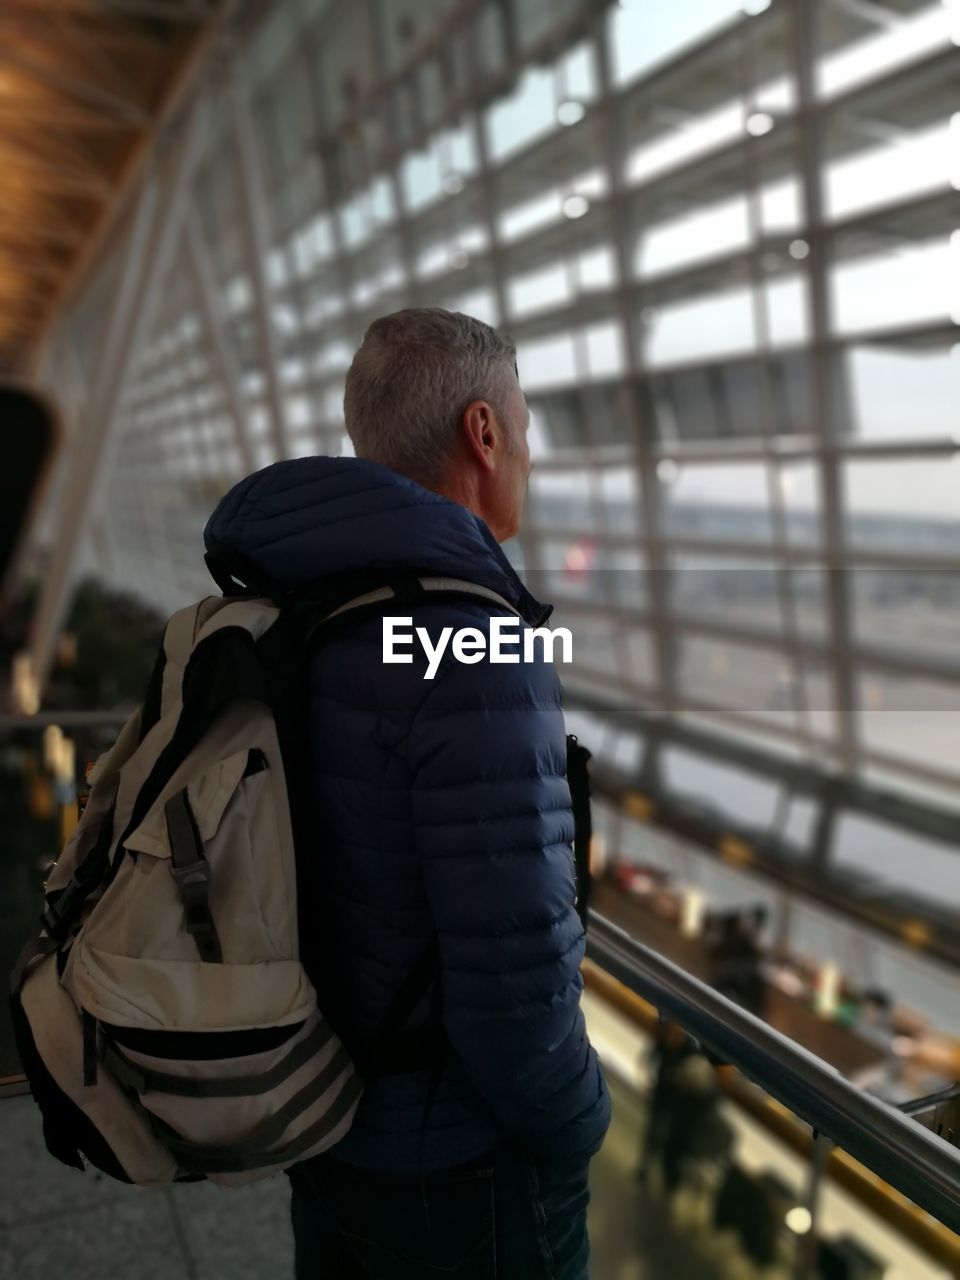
[257,237]
[145,273]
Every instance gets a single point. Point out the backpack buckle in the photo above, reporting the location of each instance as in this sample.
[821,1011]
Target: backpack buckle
[193,883]
[191,873]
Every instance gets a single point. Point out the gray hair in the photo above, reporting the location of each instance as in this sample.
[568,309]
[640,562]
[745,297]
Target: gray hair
[411,380]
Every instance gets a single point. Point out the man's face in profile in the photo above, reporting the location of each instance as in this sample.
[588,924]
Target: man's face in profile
[515,466]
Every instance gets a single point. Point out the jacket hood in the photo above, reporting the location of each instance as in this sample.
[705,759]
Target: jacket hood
[298,522]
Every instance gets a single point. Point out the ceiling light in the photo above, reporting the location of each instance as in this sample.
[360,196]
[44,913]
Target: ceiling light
[799,249]
[752,7]
[459,259]
[759,123]
[799,1220]
[575,206]
[571,111]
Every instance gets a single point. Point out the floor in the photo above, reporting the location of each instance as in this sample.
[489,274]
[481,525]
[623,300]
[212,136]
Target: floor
[57,1224]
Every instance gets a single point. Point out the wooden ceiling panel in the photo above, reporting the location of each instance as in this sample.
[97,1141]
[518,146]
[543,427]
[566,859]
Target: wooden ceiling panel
[82,83]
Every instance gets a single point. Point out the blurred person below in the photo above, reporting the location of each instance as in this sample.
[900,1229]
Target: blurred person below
[684,1124]
[736,960]
[442,815]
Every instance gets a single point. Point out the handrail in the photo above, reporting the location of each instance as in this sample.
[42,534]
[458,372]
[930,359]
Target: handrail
[901,1151]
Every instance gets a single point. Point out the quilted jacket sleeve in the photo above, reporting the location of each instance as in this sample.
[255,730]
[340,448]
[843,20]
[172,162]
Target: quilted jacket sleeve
[491,810]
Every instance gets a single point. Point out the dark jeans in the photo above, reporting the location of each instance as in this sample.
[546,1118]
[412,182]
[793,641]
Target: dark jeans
[507,1216]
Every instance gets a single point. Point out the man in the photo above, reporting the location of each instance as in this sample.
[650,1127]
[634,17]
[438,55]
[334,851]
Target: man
[442,816]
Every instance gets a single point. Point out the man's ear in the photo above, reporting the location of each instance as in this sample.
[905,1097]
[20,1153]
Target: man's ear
[479,427]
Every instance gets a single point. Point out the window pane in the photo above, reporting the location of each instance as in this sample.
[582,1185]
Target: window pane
[910,285]
[897,859]
[755,682]
[904,504]
[898,392]
[747,593]
[733,793]
[559,500]
[911,717]
[914,611]
[731,502]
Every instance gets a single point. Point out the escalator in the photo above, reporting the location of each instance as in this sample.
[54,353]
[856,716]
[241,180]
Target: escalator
[811,1178]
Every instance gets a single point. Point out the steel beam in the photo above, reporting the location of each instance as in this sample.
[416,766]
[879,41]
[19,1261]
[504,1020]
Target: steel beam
[257,231]
[641,430]
[876,15]
[488,184]
[377,18]
[205,287]
[806,47]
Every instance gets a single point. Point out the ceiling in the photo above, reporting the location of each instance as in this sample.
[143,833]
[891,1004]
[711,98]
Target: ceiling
[82,84]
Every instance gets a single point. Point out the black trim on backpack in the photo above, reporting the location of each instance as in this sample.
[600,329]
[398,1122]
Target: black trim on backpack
[154,694]
[256,762]
[149,1080]
[191,874]
[200,1046]
[63,906]
[222,668]
[68,1132]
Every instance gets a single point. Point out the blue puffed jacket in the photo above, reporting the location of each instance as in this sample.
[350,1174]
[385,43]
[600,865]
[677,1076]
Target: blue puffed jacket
[440,811]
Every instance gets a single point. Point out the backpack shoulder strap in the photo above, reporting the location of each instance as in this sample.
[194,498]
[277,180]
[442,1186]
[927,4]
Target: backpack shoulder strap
[578,779]
[409,590]
[434,586]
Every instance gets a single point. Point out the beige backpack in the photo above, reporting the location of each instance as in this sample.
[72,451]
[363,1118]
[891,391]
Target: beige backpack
[166,1023]
[162,1014]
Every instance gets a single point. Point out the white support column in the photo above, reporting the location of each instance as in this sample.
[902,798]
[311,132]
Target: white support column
[151,247]
[124,294]
[258,245]
[210,312]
